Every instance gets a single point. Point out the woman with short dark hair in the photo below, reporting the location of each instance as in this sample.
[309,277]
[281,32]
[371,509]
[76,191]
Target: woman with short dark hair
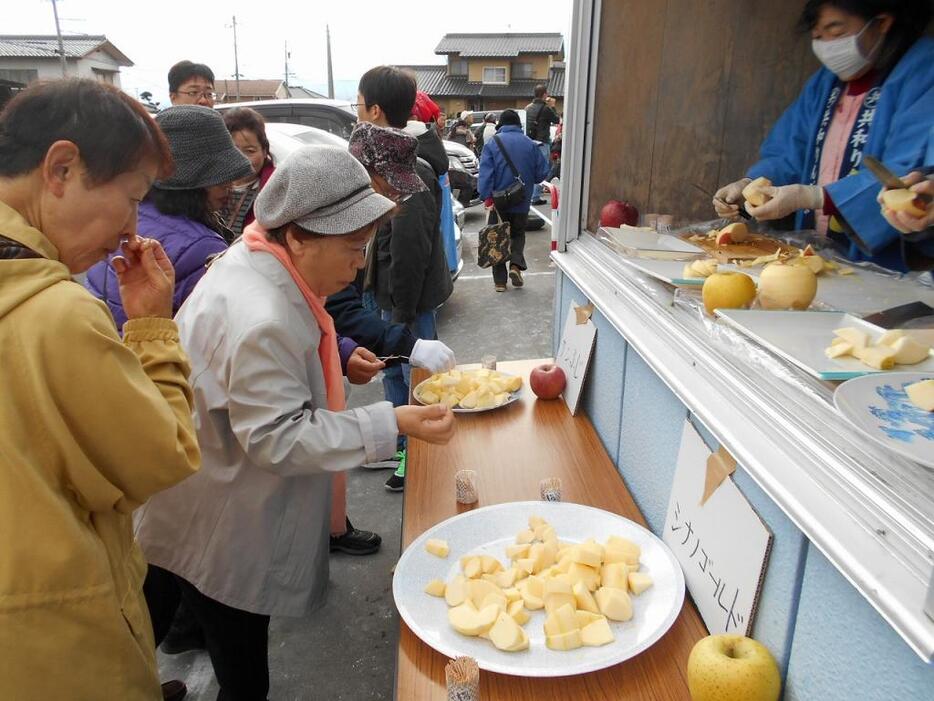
[874,96]
[92,426]
[248,130]
[181,211]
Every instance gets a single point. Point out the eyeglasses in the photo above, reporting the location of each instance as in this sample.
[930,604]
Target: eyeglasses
[195,94]
[358,105]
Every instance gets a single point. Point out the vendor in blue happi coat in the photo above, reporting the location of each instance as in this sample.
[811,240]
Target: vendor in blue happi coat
[873,96]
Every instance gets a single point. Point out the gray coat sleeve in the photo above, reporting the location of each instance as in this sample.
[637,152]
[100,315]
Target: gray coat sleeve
[278,422]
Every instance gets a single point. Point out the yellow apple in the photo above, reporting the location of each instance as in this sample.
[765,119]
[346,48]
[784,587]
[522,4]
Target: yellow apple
[728,290]
[732,668]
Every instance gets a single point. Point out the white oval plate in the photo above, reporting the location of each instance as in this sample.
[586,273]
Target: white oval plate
[878,406]
[513,396]
[489,530]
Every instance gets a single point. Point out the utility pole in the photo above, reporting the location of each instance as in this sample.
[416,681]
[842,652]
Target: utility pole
[61,44]
[330,69]
[236,60]
[286,64]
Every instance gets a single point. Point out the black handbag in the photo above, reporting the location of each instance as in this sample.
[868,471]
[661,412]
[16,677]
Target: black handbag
[495,242]
[514,195]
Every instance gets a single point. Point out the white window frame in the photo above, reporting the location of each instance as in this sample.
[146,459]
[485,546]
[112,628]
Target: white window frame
[504,81]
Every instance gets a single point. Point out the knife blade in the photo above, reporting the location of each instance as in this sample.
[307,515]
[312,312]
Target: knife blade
[889,179]
[883,174]
[742,212]
[896,317]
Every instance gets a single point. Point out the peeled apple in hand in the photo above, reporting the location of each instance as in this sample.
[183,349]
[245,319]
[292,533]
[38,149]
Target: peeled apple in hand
[732,668]
[728,290]
[753,192]
[616,213]
[784,286]
[904,201]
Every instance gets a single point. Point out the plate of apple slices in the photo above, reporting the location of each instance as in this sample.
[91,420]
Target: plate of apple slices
[539,589]
[469,391]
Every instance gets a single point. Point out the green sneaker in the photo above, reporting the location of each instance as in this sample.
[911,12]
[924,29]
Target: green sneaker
[396,482]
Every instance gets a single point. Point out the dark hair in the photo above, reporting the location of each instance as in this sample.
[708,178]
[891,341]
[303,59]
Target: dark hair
[393,90]
[245,119]
[489,117]
[911,20]
[186,70]
[191,204]
[113,132]
[540,90]
[509,118]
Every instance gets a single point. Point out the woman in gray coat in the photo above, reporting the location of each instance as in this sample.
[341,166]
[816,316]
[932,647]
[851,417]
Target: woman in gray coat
[247,537]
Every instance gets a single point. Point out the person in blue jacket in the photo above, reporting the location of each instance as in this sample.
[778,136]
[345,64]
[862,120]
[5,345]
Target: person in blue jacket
[495,174]
[873,96]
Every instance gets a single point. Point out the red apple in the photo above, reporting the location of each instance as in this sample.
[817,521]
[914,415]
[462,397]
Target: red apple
[724,238]
[616,213]
[547,381]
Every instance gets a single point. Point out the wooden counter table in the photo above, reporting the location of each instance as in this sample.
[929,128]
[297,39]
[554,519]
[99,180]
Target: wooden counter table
[512,449]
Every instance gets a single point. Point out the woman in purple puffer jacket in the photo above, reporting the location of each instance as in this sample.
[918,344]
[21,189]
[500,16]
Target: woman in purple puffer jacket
[180,212]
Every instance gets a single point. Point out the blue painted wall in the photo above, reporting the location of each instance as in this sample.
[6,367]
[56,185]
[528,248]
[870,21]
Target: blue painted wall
[639,420]
[843,649]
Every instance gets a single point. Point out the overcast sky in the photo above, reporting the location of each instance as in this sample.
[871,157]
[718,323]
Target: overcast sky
[364,33]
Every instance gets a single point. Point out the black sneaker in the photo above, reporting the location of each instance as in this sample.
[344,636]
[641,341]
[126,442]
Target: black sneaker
[396,483]
[355,542]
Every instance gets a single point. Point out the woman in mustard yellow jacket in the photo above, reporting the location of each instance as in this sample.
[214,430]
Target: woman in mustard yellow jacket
[92,425]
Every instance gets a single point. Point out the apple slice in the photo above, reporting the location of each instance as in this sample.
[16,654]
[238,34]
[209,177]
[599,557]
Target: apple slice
[614,603]
[908,351]
[639,582]
[878,357]
[435,587]
[597,633]
[904,201]
[921,394]
[838,350]
[436,547]
[466,620]
[564,641]
[455,593]
[506,633]
[584,599]
[889,337]
[856,337]
[517,610]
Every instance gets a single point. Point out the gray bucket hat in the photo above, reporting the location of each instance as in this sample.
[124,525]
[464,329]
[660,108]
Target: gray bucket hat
[322,189]
[202,148]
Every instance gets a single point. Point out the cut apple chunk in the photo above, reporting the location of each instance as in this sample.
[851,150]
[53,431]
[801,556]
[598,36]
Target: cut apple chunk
[583,599]
[455,592]
[564,641]
[467,620]
[921,394]
[438,548]
[639,582]
[908,351]
[435,587]
[597,633]
[904,200]
[614,603]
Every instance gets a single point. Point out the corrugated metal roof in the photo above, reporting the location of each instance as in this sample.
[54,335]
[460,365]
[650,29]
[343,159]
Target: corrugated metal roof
[45,46]
[435,81]
[500,45]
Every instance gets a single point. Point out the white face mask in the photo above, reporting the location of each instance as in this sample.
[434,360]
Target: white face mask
[843,57]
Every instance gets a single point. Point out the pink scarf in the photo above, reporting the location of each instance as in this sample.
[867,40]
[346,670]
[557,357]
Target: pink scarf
[254,236]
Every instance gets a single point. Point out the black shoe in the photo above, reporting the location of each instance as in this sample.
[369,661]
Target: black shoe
[396,483]
[515,275]
[538,201]
[174,690]
[355,542]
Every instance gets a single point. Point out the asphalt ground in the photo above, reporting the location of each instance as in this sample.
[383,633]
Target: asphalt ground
[347,649]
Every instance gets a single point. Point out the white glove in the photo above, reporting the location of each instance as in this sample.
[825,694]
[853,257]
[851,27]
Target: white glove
[434,356]
[787,199]
[728,198]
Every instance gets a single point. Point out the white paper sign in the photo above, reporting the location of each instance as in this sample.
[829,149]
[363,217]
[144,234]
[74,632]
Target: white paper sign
[723,546]
[574,356]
